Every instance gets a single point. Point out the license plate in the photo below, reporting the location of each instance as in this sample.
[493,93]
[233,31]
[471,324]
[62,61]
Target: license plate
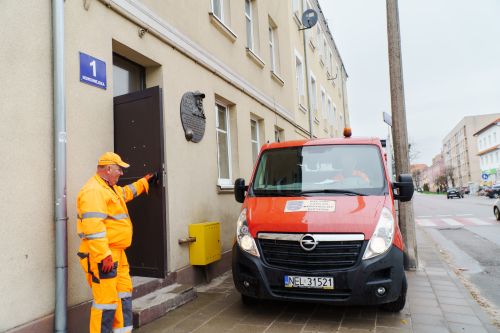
[316,282]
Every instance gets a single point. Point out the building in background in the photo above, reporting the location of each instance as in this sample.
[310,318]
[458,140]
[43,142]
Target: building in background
[128,65]
[416,171]
[460,151]
[488,146]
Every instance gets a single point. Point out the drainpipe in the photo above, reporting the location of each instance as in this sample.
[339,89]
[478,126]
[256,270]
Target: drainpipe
[60,210]
[307,84]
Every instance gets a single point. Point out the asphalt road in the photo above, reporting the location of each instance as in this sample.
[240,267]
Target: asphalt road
[468,233]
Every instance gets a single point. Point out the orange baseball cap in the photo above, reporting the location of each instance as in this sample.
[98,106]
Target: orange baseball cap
[109,158]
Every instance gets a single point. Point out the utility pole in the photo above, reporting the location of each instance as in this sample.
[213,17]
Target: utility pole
[399,132]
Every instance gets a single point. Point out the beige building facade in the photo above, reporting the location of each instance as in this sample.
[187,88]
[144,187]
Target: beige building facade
[246,57]
[460,150]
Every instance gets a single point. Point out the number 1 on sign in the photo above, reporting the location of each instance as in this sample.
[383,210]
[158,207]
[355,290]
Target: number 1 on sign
[92,64]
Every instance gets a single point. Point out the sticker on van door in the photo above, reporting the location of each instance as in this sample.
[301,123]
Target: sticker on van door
[310,206]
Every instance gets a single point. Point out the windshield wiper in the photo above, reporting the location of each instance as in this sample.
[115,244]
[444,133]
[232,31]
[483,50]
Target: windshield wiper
[346,192]
[275,193]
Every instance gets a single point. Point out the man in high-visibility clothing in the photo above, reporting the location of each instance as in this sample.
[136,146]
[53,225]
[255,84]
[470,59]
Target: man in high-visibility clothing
[106,231]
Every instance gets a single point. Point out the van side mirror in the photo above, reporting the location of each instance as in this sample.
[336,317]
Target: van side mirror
[240,189]
[404,187]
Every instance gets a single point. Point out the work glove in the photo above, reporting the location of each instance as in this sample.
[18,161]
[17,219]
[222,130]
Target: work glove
[151,177]
[107,264]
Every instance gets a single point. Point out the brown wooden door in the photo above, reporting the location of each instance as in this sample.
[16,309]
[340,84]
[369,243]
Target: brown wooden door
[138,135]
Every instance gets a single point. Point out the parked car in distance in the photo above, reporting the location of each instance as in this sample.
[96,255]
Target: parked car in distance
[496,209]
[494,191]
[465,190]
[483,190]
[454,192]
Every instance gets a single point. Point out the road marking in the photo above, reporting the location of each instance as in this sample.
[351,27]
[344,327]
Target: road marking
[476,221]
[426,223]
[444,215]
[452,222]
[424,216]
[463,214]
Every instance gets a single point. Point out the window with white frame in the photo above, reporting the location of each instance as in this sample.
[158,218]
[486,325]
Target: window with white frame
[331,119]
[278,134]
[254,133]
[296,7]
[324,111]
[273,46]
[324,51]
[249,24]
[317,42]
[223,144]
[494,137]
[299,78]
[330,62]
[220,9]
[314,103]
[252,25]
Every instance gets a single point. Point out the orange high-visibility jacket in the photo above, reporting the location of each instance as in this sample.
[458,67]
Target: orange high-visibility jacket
[103,220]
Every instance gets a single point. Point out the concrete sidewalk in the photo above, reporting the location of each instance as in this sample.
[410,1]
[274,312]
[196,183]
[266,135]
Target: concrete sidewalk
[437,302]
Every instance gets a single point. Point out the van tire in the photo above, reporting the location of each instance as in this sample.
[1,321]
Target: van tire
[248,300]
[398,304]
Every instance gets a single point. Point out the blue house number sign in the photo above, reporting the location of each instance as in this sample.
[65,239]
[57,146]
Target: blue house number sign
[92,71]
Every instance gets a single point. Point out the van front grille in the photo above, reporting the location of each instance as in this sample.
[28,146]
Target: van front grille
[327,255]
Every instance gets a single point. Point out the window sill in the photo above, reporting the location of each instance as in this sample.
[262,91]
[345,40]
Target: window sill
[222,189]
[296,18]
[277,78]
[312,44]
[255,58]
[316,120]
[302,108]
[224,29]
[321,62]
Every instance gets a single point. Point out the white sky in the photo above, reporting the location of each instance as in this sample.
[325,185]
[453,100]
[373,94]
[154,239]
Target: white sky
[451,64]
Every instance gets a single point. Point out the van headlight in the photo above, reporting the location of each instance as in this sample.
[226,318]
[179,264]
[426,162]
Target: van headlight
[382,237]
[243,236]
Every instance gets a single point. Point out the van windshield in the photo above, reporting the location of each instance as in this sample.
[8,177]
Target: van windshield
[320,170]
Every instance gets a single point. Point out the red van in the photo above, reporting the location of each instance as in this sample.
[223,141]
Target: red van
[318,224]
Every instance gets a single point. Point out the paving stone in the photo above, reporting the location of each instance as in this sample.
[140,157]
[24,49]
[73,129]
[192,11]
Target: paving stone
[457,309]
[240,328]
[420,328]
[463,328]
[423,302]
[463,319]
[358,323]
[321,326]
[393,330]
[433,310]
[284,328]
[428,319]
[452,300]
[394,322]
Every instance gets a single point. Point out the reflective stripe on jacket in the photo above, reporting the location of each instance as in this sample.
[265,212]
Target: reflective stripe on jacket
[103,221]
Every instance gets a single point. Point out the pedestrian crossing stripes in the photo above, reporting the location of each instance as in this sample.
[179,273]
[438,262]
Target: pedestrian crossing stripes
[455,222]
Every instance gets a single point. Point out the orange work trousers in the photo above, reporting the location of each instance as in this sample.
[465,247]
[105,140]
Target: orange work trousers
[112,305]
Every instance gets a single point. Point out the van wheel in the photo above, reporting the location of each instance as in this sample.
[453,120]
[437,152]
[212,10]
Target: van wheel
[398,304]
[497,213]
[248,300]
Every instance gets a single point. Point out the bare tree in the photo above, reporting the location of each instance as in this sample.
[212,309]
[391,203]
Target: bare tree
[450,175]
[412,152]
[441,182]
[417,177]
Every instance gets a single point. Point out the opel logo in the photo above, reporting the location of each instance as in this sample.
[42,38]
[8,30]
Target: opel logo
[308,243]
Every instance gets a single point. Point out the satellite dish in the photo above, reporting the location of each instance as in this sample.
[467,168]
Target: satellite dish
[309,18]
